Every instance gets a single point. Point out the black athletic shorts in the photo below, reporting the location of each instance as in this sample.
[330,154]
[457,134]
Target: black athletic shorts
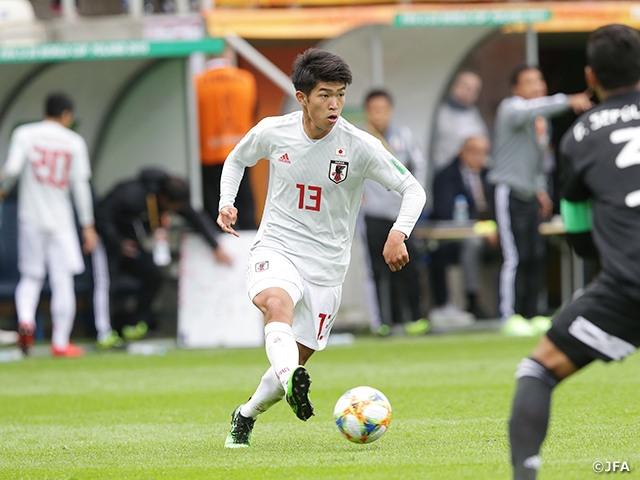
[602,324]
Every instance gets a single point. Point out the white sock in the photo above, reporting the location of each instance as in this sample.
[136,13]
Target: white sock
[282,350]
[268,393]
[27,297]
[63,309]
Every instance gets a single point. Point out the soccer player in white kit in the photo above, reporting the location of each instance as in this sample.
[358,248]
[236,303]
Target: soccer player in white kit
[51,162]
[298,262]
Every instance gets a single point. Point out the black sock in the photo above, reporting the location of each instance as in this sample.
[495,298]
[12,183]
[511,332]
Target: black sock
[530,417]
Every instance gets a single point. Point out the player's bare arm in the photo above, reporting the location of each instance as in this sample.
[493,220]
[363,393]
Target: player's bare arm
[89,238]
[395,251]
[581,102]
[227,218]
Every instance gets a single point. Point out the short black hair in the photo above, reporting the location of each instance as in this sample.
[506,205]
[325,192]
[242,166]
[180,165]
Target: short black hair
[613,53]
[56,104]
[315,65]
[377,92]
[176,190]
[515,74]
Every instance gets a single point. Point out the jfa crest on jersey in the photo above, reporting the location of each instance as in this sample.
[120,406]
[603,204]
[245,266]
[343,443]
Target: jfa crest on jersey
[338,170]
[262,266]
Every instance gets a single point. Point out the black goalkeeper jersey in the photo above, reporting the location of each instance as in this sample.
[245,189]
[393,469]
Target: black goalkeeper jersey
[602,152]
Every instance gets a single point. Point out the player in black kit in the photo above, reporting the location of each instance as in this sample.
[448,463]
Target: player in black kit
[601,211]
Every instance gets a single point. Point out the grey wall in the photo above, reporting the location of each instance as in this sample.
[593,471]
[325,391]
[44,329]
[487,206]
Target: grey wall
[148,128]
[93,86]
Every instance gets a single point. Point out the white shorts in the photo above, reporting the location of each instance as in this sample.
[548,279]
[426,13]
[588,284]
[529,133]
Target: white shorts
[316,306]
[39,250]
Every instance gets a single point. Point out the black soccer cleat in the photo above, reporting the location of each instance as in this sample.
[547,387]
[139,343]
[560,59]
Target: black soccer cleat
[240,433]
[298,394]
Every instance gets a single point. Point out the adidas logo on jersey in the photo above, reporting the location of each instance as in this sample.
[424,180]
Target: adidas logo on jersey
[284,159]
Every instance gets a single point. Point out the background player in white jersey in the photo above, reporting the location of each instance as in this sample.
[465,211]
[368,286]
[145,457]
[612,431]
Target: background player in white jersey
[601,213]
[318,164]
[51,163]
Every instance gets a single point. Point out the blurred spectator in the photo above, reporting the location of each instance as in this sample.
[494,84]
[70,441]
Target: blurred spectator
[521,198]
[398,292]
[51,163]
[458,119]
[126,215]
[167,6]
[56,6]
[464,180]
[227,101]
[153,6]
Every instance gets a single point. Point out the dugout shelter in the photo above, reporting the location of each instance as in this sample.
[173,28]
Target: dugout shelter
[134,105]
[134,99]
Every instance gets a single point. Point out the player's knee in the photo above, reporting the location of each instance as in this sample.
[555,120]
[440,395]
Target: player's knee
[61,280]
[30,277]
[553,359]
[274,304]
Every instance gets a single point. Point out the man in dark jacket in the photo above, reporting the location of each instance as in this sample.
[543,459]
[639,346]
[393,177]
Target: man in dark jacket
[463,181]
[138,208]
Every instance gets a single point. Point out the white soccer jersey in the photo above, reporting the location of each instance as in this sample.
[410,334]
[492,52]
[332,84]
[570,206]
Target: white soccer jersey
[50,160]
[315,190]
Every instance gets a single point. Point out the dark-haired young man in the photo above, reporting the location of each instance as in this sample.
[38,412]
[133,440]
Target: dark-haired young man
[521,198]
[130,211]
[52,163]
[318,164]
[398,293]
[601,207]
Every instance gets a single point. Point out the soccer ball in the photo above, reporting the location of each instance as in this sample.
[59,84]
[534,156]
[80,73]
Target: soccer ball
[362,414]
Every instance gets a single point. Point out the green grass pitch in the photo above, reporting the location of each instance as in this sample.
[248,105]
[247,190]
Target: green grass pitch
[118,416]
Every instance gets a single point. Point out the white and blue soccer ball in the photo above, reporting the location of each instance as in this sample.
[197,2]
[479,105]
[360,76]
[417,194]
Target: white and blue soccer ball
[362,414]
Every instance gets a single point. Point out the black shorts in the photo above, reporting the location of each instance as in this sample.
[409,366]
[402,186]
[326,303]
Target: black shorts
[601,324]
